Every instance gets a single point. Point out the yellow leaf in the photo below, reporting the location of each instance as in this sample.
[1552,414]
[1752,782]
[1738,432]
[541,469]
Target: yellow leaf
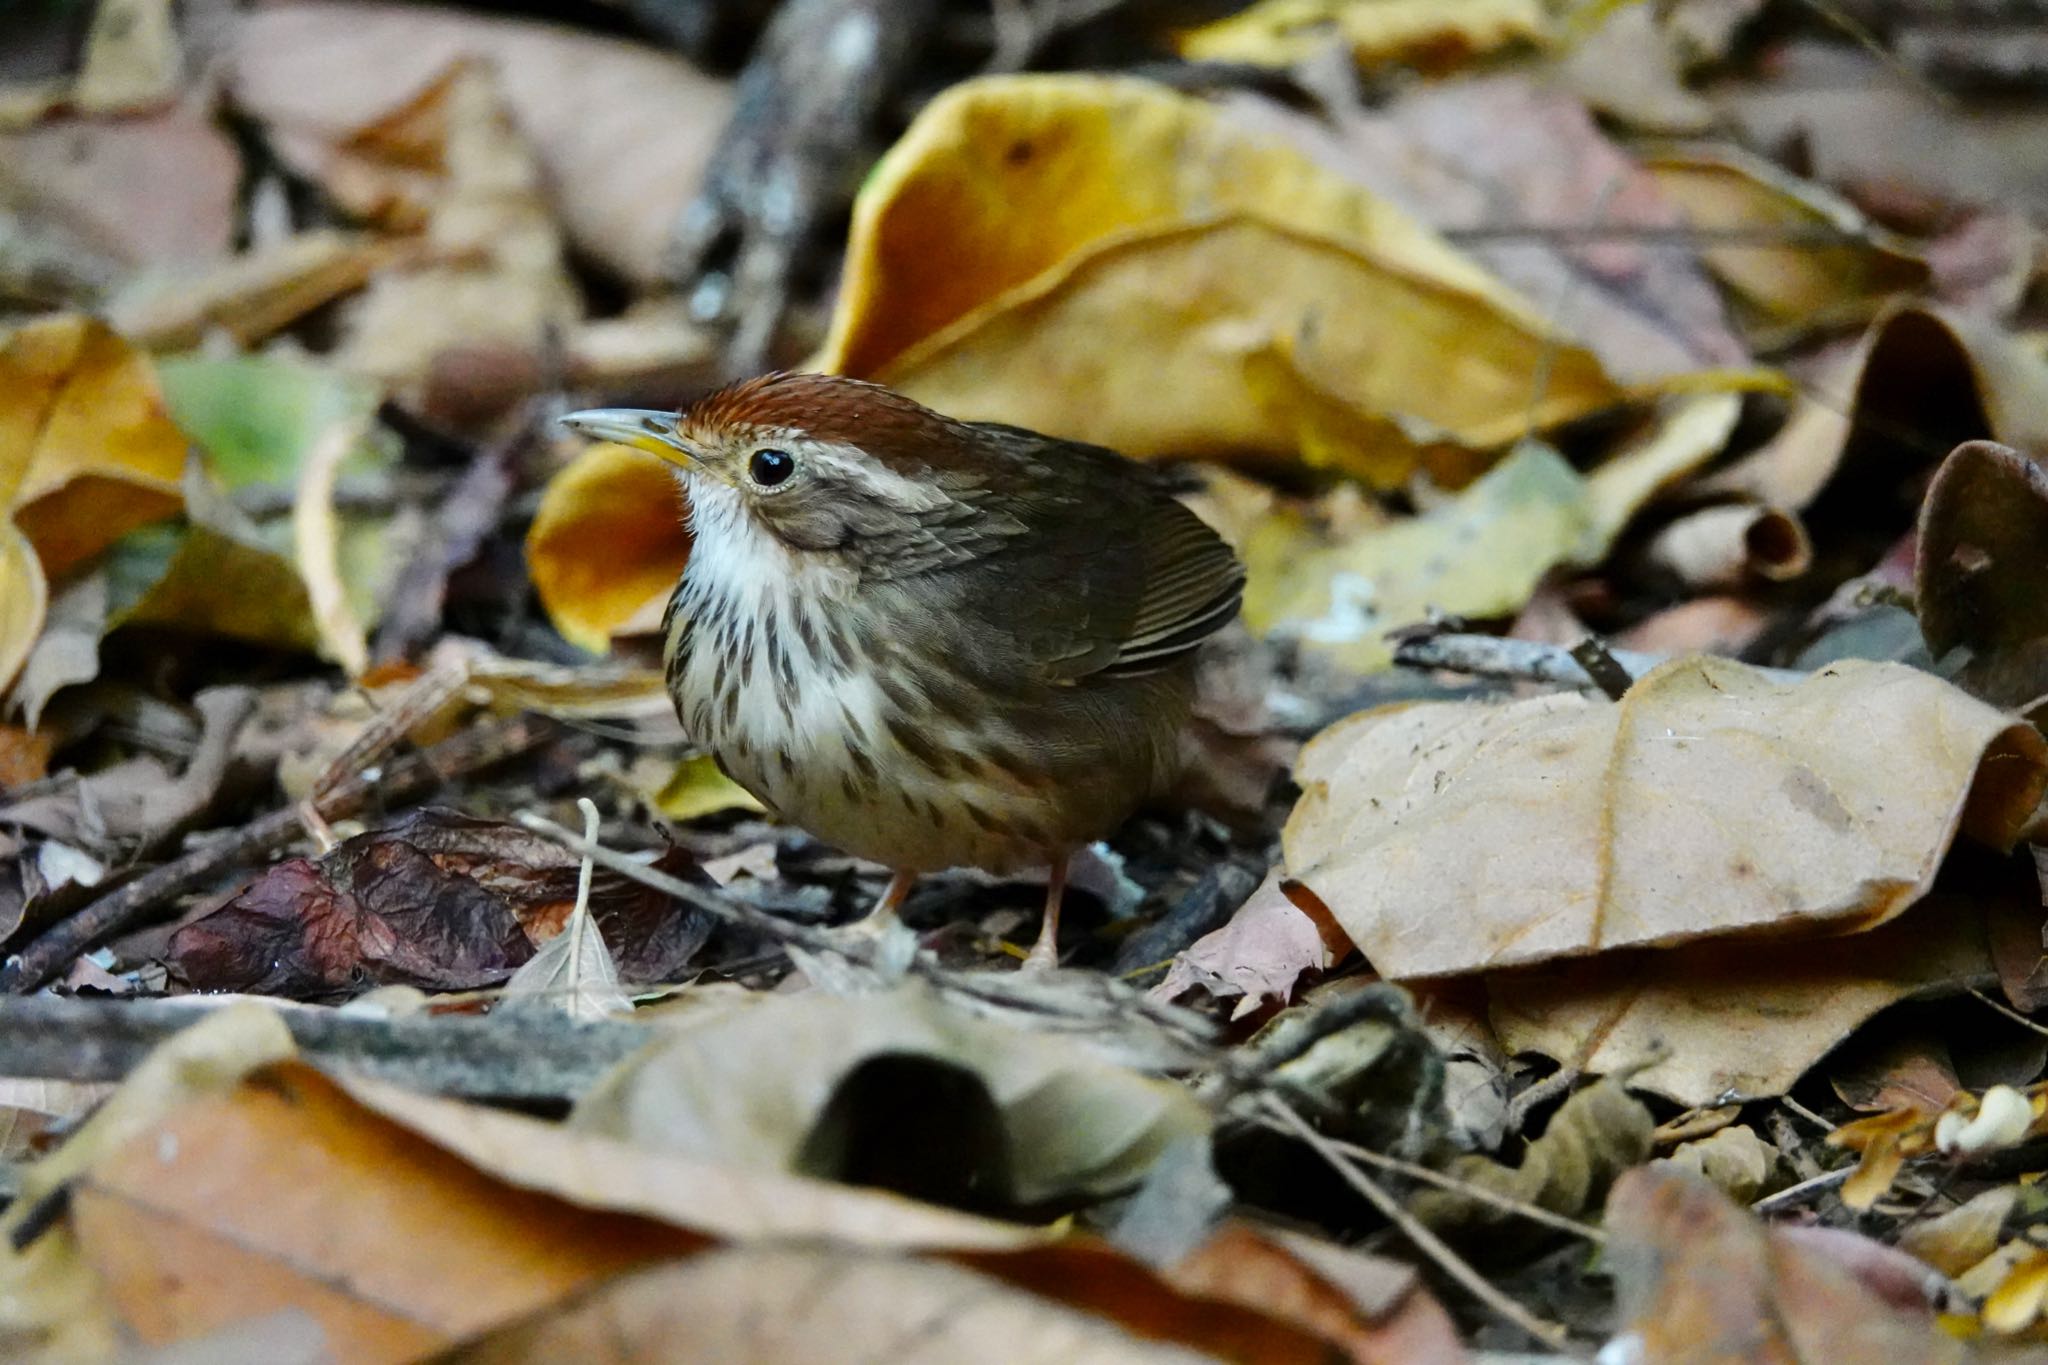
[1710,800]
[694,788]
[1004,178]
[87,452]
[607,540]
[24,600]
[1433,34]
[1141,343]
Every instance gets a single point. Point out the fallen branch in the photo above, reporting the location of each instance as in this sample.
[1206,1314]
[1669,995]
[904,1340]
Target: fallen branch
[520,1056]
[472,750]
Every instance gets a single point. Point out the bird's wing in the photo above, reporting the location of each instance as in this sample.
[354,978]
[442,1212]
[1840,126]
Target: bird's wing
[1115,576]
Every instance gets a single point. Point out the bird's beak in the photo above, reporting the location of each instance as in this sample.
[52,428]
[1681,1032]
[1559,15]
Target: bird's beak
[640,428]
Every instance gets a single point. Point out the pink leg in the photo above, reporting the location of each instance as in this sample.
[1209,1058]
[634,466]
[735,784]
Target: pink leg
[878,920]
[1045,954]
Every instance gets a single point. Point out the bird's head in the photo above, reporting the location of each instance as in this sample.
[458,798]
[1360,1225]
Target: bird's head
[819,463]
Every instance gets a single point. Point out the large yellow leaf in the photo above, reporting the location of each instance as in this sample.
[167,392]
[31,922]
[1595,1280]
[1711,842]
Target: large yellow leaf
[1144,343]
[607,540]
[1005,189]
[1710,800]
[24,601]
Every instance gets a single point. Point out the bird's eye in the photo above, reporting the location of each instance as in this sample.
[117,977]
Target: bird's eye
[770,467]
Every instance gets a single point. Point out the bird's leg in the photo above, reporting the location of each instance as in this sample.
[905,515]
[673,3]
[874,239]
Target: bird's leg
[883,917]
[1045,954]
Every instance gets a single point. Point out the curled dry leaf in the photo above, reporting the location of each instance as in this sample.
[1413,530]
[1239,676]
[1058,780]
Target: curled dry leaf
[1434,36]
[1700,1280]
[1977,577]
[1734,1160]
[821,1085]
[1131,190]
[131,61]
[1850,458]
[1456,837]
[1967,1126]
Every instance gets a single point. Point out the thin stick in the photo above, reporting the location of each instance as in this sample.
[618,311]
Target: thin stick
[1425,1241]
[1506,1203]
[1593,655]
[1490,656]
[1794,1194]
[471,750]
[2008,1011]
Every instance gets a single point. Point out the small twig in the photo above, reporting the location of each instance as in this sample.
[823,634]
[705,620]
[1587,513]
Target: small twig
[1490,656]
[1419,1235]
[2008,1011]
[1507,1203]
[1815,1119]
[479,747]
[1795,1194]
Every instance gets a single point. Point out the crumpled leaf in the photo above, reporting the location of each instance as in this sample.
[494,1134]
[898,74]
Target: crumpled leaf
[492,273]
[1435,35]
[619,171]
[1701,1280]
[1276,937]
[1710,1022]
[1710,800]
[821,1085]
[1131,190]
[437,900]
[1341,591]
[1806,283]
[573,972]
[1977,576]
[247,297]
[1593,1137]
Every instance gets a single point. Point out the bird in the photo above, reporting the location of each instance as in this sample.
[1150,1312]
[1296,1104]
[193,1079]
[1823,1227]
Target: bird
[928,642]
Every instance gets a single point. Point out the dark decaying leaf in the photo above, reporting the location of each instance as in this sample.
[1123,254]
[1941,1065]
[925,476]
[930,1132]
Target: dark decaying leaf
[437,900]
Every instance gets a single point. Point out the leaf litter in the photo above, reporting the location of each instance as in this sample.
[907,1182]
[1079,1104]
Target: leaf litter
[1720,956]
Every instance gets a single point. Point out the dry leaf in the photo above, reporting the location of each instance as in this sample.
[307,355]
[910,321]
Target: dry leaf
[1710,1022]
[1710,800]
[733,1305]
[1955,1240]
[86,454]
[1799,282]
[1593,1137]
[573,972]
[1731,546]
[1130,189]
[1435,35]
[1977,577]
[286,1193]
[1700,1282]
[1490,158]
[130,62]
[1276,937]
[1340,590]
[818,1084]
[247,297]
[619,170]
[1733,1160]
[491,271]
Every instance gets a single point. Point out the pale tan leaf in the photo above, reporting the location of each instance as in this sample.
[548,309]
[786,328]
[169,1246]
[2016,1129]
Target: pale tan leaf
[1592,1138]
[1455,837]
